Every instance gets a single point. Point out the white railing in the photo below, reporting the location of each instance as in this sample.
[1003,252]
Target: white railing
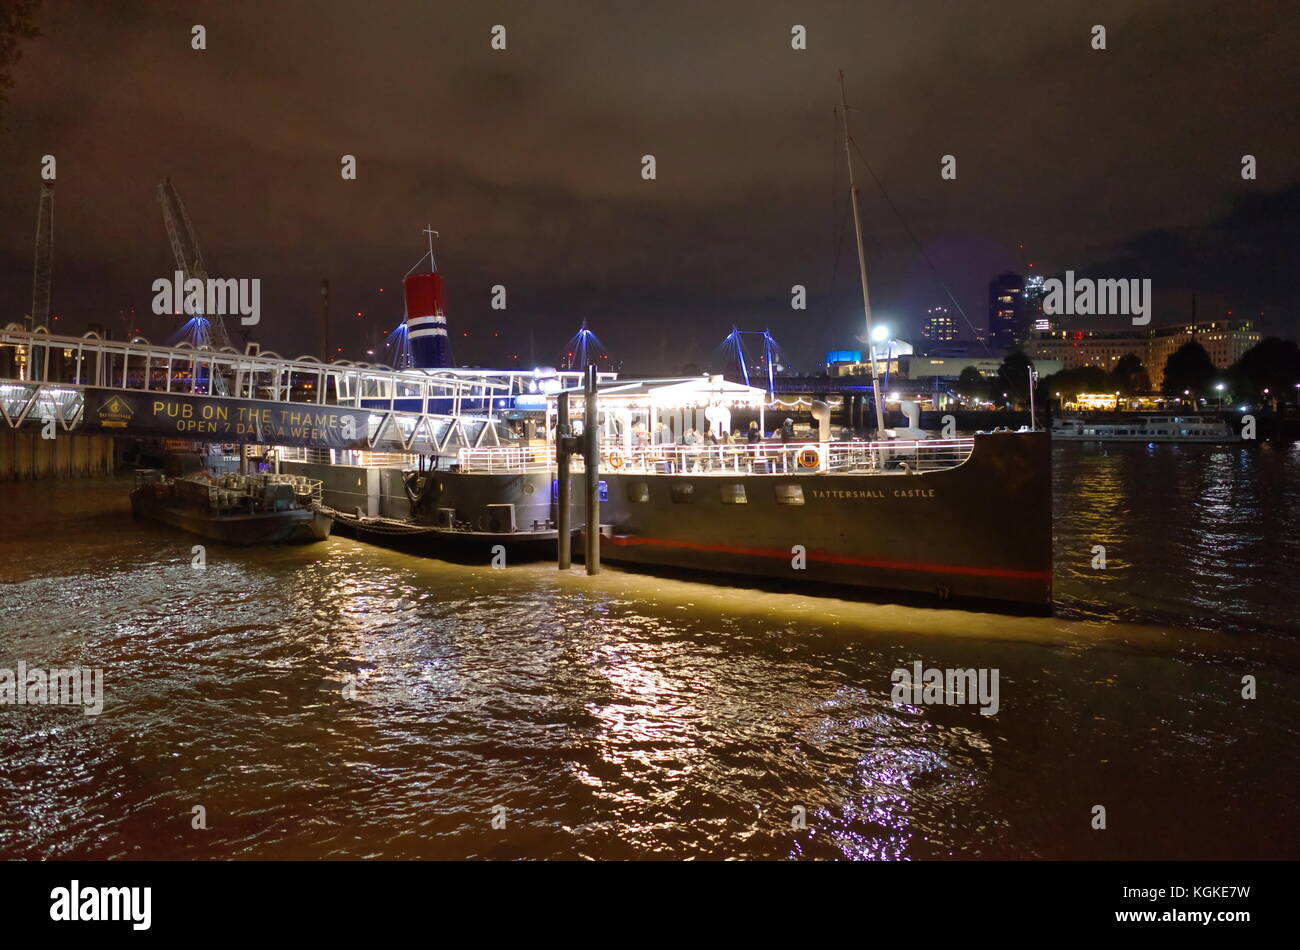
[880,458]
[314,487]
[140,365]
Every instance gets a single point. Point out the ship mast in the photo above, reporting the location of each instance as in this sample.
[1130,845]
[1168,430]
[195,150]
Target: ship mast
[877,395]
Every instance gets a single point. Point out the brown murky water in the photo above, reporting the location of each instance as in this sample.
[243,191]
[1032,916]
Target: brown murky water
[628,716]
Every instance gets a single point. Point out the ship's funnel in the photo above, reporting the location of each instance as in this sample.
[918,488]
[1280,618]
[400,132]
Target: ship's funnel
[426,321]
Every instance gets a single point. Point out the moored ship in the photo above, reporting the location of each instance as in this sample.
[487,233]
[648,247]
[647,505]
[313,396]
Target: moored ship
[235,509]
[1144,428]
[961,518]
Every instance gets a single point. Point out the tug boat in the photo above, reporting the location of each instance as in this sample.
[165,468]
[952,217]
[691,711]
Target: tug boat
[241,510]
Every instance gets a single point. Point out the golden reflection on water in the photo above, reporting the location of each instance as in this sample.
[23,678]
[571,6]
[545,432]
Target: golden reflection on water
[345,700]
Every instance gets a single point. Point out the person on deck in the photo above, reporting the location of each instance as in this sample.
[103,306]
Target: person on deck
[691,455]
[787,436]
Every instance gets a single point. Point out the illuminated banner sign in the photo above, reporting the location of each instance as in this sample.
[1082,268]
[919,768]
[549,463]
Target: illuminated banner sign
[216,419]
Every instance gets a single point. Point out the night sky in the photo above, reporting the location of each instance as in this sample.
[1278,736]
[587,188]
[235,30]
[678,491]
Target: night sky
[528,161]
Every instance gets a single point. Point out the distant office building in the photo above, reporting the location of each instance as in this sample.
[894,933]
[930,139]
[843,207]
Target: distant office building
[1034,319]
[843,356]
[929,367]
[1224,340]
[939,326]
[950,367]
[1006,308]
[887,356]
[957,348]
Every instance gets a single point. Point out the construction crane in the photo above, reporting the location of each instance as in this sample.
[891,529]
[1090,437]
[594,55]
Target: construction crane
[189,258]
[43,269]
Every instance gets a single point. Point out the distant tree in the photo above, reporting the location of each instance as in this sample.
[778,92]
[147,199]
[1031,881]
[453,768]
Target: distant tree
[1189,368]
[1270,364]
[17,23]
[1130,376]
[1013,377]
[971,384]
[1081,379]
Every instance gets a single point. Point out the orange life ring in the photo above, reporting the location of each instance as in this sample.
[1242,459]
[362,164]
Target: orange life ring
[810,456]
[616,458]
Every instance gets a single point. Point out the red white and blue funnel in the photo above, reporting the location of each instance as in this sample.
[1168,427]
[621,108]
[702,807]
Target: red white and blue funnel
[426,321]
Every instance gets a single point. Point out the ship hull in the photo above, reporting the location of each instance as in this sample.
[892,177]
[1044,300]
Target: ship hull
[980,531]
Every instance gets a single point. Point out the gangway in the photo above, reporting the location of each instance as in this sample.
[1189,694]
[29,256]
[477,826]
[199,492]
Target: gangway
[47,376]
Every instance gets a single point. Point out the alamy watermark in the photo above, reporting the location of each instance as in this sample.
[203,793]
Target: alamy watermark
[35,687]
[1085,297]
[77,903]
[213,296]
[920,686]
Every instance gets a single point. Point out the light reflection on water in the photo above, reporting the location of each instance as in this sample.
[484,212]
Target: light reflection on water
[629,716]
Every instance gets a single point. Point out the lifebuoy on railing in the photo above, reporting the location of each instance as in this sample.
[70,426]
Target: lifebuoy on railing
[810,456]
[615,458]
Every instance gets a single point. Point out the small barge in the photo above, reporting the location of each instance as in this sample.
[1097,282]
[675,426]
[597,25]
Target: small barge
[242,510]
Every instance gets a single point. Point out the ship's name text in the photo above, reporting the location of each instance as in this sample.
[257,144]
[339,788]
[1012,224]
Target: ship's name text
[864,493]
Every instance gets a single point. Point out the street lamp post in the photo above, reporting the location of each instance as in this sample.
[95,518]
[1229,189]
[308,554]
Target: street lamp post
[1033,380]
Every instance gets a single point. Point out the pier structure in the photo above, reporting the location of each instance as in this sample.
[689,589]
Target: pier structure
[137,388]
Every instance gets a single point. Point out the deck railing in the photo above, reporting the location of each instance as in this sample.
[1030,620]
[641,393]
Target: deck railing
[880,458]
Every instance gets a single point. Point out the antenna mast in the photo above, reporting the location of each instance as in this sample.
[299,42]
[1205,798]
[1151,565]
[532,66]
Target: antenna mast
[878,396]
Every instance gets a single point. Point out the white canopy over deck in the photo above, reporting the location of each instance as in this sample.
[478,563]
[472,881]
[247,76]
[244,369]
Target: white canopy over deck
[627,408]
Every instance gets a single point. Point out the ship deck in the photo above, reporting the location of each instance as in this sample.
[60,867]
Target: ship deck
[889,457]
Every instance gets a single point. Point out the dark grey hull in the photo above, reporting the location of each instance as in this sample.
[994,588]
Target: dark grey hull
[980,531]
[449,544]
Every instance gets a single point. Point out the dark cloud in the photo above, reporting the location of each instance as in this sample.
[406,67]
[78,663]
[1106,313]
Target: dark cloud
[527,161]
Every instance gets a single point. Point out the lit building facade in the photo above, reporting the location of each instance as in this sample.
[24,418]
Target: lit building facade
[1224,340]
[939,326]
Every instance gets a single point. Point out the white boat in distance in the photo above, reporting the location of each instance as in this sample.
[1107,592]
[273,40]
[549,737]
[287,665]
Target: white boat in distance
[1142,428]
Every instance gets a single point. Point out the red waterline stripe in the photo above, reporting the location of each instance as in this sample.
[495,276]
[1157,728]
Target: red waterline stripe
[628,541]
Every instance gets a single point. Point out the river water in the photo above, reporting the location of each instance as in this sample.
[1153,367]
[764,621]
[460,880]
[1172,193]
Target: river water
[346,701]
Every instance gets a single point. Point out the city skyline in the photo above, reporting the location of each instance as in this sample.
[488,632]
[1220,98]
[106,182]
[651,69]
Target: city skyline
[556,209]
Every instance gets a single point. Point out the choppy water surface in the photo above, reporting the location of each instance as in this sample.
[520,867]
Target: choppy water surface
[628,716]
